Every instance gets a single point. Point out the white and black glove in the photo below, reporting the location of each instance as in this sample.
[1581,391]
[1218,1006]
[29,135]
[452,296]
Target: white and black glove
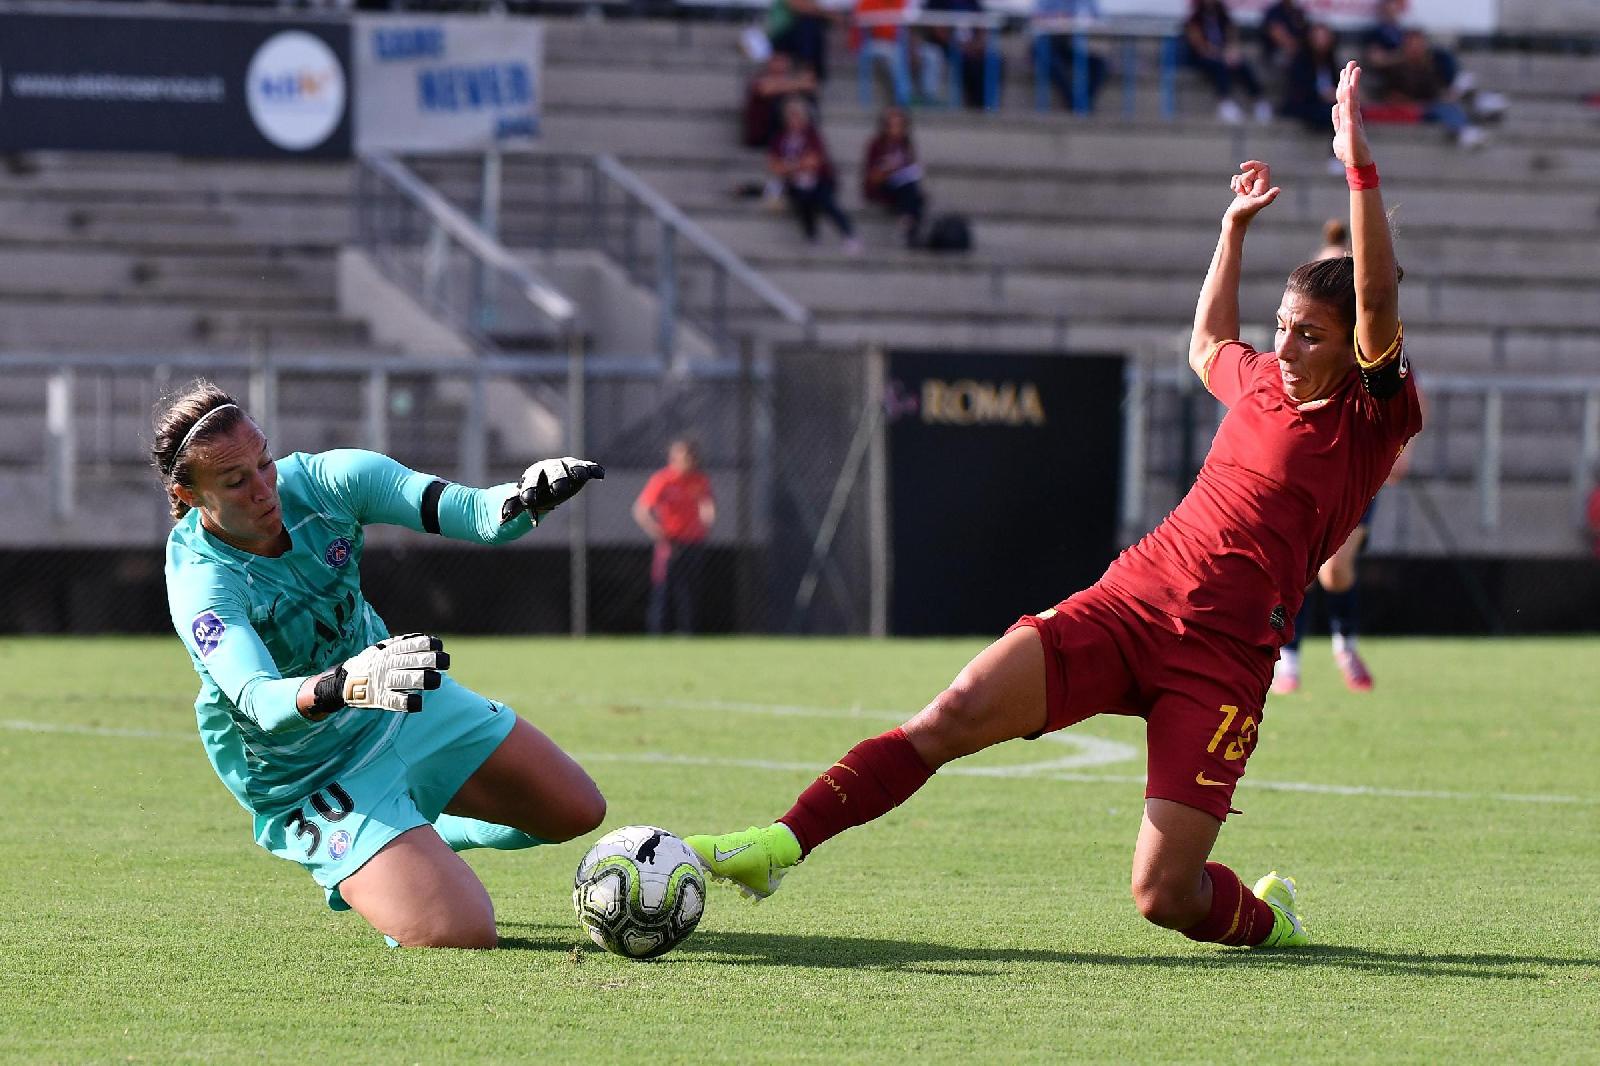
[548,483]
[392,674]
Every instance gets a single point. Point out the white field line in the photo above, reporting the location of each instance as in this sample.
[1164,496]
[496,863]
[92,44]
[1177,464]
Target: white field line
[1091,751]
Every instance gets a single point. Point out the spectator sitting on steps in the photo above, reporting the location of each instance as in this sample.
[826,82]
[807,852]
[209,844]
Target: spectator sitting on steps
[891,177]
[1212,47]
[799,159]
[1418,82]
[777,78]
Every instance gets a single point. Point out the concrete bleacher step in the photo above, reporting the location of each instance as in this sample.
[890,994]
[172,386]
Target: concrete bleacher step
[1092,244]
[31,325]
[250,280]
[1060,141]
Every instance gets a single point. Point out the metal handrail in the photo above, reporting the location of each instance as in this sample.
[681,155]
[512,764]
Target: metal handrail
[708,245]
[540,294]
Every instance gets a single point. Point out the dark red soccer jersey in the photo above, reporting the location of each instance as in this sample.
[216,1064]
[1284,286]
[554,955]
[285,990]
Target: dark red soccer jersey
[1281,489]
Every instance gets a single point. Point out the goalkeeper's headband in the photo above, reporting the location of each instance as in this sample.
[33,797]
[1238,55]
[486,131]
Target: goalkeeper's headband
[189,436]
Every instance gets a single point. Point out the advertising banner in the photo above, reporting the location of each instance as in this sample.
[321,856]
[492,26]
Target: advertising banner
[447,84]
[1452,16]
[1004,479]
[191,86]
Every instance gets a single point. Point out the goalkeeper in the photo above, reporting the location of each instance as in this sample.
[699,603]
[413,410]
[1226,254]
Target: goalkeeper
[354,752]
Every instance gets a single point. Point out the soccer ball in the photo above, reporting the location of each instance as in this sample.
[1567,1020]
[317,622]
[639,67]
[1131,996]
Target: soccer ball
[639,892]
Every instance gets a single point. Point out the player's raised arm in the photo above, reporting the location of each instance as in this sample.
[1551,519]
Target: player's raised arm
[1372,246]
[1216,316]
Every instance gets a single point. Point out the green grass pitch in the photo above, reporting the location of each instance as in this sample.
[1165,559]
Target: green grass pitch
[1445,830]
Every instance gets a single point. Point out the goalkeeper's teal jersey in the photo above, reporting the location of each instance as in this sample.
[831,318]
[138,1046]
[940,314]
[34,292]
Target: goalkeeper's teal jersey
[256,626]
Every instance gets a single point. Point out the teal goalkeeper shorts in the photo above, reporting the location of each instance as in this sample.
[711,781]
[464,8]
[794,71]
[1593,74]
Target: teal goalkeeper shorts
[401,782]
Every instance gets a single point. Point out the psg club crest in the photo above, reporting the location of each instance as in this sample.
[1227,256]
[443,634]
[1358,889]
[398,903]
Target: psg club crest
[338,552]
[338,844]
[207,629]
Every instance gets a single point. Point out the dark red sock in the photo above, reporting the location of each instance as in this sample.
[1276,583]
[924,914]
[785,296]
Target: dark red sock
[872,779]
[1236,917]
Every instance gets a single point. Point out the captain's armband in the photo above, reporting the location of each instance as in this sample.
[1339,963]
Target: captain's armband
[1386,375]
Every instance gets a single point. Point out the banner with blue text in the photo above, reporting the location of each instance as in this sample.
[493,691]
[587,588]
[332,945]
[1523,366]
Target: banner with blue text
[447,84]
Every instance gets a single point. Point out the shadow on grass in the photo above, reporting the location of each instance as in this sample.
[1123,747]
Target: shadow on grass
[867,953]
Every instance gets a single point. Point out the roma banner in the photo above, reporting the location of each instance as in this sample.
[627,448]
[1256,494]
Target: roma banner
[1005,472]
[447,84]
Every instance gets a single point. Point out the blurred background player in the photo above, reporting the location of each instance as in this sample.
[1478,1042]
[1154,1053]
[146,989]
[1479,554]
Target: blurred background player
[354,752]
[676,509]
[1184,626]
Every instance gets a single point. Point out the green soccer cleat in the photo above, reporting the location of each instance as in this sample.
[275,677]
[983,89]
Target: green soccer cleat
[754,860]
[1287,929]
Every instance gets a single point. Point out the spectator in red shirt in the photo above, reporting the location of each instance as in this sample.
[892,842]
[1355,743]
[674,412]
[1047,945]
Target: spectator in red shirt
[676,510]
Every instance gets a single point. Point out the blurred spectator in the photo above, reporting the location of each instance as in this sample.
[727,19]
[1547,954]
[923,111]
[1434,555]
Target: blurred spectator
[776,79]
[799,159]
[970,45]
[891,177]
[1285,29]
[1335,240]
[799,28]
[676,510]
[1384,49]
[1416,87]
[1212,46]
[880,43]
[1062,58]
[1312,78]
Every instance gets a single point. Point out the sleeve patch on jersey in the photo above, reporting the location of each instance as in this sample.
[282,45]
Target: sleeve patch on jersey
[207,629]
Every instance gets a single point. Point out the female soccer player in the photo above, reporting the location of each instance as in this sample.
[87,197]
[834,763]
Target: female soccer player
[356,756]
[1184,626]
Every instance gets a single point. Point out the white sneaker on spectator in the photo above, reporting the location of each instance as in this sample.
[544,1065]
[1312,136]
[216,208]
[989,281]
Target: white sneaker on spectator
[1488,104]
[1472,137]
[1465,82]
[1263,111]
[1229,112]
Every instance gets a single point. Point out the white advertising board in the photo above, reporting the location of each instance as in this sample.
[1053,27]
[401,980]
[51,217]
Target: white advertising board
[446,84]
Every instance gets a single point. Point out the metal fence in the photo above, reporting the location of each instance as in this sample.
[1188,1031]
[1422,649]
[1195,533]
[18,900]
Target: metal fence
[84,515]
[1502,469]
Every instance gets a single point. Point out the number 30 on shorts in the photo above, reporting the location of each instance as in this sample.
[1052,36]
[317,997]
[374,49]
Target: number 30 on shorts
[332,804]
[1240,747]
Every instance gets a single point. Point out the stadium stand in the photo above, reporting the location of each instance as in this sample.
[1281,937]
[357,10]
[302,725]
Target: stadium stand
[1091,235]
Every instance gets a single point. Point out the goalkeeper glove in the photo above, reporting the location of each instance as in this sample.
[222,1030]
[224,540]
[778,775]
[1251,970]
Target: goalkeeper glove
[391,675]
[548,483]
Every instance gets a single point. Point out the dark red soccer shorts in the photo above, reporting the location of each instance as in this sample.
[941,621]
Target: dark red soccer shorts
[1199,692]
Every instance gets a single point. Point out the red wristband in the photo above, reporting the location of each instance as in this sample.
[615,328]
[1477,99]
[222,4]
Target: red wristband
[1359,178]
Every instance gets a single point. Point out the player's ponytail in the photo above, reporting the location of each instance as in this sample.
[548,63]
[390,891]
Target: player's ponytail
[200,412]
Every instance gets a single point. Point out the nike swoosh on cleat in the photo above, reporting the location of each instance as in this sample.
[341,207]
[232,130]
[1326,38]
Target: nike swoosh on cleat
[724,856]
[1201,779]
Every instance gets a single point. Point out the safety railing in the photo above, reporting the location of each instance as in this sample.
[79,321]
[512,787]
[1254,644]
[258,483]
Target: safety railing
[552,202]
[683,250]
[458,271]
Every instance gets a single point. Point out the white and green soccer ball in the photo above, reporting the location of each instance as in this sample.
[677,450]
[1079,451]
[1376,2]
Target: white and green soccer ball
[639,891]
